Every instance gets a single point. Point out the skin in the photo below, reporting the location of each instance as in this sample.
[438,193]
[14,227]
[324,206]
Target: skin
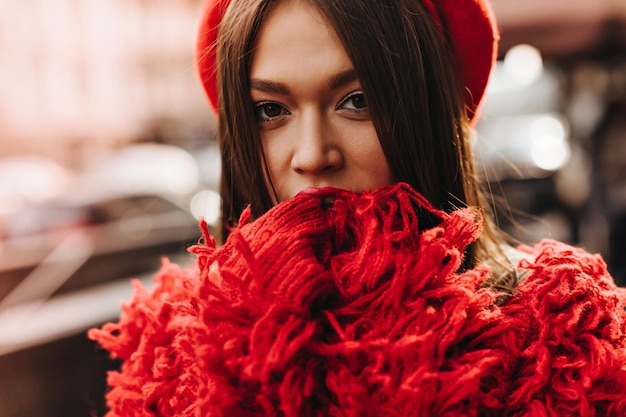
[313,117]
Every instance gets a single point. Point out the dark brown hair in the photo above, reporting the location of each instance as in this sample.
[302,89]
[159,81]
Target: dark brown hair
[415,98]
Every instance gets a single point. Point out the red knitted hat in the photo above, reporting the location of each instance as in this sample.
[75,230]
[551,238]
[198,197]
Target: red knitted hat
[469,24]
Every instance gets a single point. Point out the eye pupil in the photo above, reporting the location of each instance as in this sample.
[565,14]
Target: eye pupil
[359,102]
[272,110]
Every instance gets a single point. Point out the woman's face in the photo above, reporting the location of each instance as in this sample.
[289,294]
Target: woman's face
[312,114]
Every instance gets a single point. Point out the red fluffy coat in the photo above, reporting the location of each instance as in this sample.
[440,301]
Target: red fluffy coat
[343,308]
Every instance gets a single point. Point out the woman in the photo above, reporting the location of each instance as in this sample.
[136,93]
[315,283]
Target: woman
[359,275]
[413,91]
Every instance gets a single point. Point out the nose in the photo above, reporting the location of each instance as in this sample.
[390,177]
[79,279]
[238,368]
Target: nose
[316,151]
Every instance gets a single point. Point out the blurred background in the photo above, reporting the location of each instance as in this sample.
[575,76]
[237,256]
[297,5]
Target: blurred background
[108,160]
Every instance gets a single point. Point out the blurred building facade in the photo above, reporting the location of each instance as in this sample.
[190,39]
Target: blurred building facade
[77,76]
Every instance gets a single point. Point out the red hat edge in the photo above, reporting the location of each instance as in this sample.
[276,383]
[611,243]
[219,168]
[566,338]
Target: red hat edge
[470,25]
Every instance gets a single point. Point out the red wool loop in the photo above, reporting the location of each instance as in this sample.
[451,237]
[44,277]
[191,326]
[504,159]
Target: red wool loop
[352,308]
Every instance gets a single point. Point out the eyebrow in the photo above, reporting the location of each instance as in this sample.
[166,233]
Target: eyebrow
[343,78]
[269,87]
[336,81]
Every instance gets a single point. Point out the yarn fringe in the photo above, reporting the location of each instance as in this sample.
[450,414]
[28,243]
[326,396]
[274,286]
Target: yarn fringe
[351,308]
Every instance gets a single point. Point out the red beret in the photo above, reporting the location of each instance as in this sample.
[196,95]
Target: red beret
[469,25]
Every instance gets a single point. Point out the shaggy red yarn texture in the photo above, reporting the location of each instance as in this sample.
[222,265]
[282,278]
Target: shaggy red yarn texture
[346,307]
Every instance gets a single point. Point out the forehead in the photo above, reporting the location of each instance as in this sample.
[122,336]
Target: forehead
[293,37]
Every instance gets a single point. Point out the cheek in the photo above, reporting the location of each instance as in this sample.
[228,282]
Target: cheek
[368,147]
[374,157]
[381,170]
[273,162]
[275,154]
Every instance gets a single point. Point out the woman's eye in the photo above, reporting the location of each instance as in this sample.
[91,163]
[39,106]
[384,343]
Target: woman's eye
[355,102]
[268,111]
